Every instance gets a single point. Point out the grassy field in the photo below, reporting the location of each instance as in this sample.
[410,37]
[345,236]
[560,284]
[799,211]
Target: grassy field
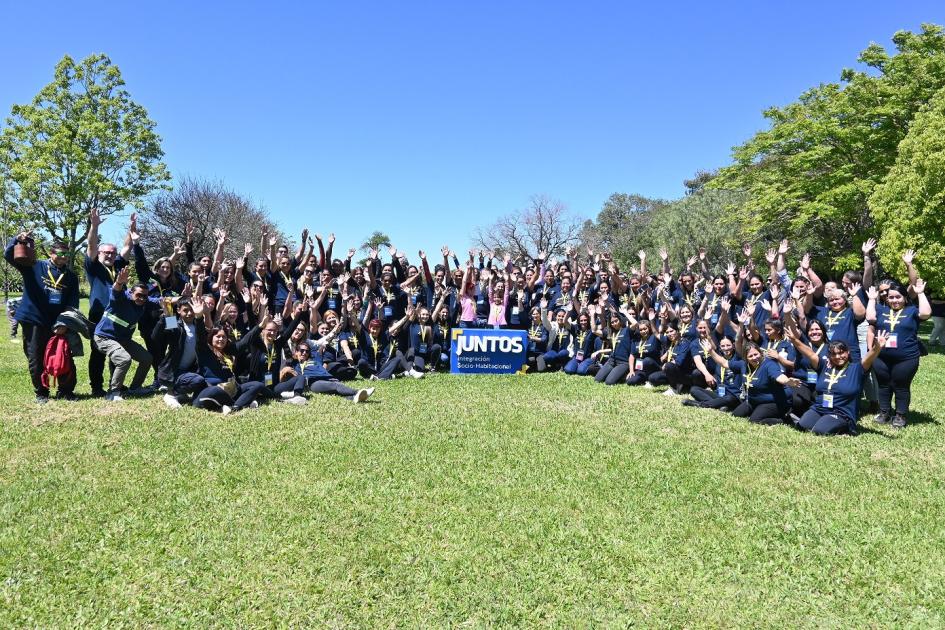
[540,500]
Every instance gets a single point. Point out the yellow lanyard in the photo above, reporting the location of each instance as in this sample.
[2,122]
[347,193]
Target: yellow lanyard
[670,352]
[835,376]
[270,357]
[721,374]
[373,344]
[55,282]
[615,340]
[750,377]
[423,333]
[285,278]
[894,321]
[561,336]
[640,346]
[684,329]
[111,271]
[353,340]
[754,299]
[833,320]
[535,332]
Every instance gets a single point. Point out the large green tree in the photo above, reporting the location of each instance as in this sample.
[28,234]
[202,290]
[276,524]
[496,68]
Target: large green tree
[810,175]
[909,206]
[82,143]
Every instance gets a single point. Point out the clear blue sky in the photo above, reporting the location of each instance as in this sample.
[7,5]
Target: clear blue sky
[426,119]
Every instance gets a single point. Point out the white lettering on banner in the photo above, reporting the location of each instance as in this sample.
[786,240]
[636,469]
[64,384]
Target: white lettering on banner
[487,343]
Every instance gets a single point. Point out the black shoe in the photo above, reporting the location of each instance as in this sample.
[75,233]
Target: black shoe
[689,402]
[882,418]
[41,400]
[98,393]
[70,397]
[899,422]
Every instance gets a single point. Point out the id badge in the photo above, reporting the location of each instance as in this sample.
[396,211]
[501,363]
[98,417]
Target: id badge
[267,379]
[714,320]
[170,322]
[783,354]
[892,341]
[479,300]
[720,390]
[579,356]
[388,311]
[829,335]
[55,296]
[422,349]
[332,305]
[811,377]
[638,365]
[827,401]
[515,311]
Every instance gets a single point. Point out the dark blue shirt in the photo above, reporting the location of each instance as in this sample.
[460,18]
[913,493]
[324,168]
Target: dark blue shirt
[903,329]
[838,390]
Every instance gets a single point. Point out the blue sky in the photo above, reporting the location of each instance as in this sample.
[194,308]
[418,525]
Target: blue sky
[427,119]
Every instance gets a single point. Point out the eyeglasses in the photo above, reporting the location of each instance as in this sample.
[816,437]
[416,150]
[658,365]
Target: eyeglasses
[107,252]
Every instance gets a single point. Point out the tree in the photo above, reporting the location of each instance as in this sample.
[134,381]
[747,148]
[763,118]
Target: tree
[621,218]
[82,143]
[377,240]
[543,226]
[810,176]
[909,206]
[206,206]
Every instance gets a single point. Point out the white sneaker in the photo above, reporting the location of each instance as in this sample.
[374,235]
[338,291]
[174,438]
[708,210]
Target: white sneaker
[171,401]
[370,391]
[373,377]
[253,405]
[669,392]
[648,385]
[226,410]
[287,395]
[296,400]
[361,396]
[416,373]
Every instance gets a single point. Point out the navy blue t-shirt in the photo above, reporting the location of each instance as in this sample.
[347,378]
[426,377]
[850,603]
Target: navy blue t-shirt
[903,328]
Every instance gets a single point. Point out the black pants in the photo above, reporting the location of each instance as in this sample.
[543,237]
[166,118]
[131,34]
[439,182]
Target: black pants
[764,413]
[96,357]
[420,361]
[673,376]
[895,377]
[612,372]
[696,377]
[394,365]
[298,384]
[35,338]
[245,394]
[342,371]
[650,366]
[802,398]
[711,400]
[157,347]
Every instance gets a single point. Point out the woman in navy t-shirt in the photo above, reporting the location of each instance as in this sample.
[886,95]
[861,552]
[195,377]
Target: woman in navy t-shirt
[898,362]
[839,383]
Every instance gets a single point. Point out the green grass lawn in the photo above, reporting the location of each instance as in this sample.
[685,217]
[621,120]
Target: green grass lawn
[539,500]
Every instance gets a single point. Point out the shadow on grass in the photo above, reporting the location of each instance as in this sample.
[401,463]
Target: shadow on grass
[920,417]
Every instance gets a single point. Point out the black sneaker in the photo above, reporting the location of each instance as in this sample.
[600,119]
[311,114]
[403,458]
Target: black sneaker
[899,422]
[70,397]
[41,400]
[98,393]
[689,402]
[882,417]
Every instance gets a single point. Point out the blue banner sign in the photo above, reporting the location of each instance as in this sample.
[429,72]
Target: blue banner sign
[478,351]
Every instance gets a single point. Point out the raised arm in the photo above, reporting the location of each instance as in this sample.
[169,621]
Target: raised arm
[95,220]
[218,254]
[300,253]
[925,307]
[812,357]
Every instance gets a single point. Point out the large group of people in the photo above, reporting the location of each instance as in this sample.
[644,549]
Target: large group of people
[772,345]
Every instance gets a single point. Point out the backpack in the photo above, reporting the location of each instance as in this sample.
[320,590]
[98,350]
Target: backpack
[57,360]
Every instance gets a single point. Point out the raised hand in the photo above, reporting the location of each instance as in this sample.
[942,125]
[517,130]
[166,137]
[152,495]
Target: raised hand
[691,261]
[771,255]
[868,246]
[422,255]
[908,256]
[95,217]
[179,248]
[445,251]
[247,249]
[855,288]
[122,277]
[372,254]
[783,246]
[881,338]
[642,256]
[392,251]
[746,250]
[743,273]
[331,238]
[730,269]
[702,253]
[805,262]
[133,224]
[919,286]
[351,253]
[726,304]
[664,255]
[189,231]
[872,293]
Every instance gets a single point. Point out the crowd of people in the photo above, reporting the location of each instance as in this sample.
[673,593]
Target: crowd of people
[771,345]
